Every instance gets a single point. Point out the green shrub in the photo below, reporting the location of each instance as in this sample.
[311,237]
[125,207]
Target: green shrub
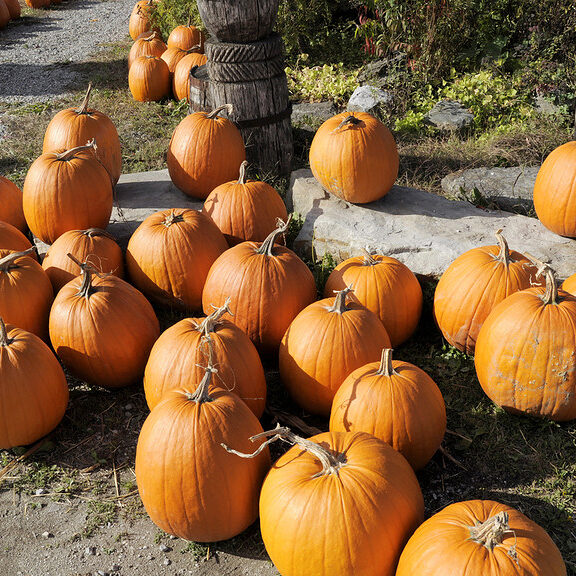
[171,13]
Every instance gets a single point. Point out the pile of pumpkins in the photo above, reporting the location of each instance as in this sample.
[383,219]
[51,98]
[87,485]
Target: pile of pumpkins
[343,502]
[157,70]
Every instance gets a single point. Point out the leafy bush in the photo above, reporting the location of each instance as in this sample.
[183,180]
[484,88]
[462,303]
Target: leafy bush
[171,13]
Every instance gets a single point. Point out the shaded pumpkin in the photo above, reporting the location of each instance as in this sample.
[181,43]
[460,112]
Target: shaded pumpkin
[12,239]
[140,19]
[149,79]
[480,538]
[181,80]
[11,205]
[147,45]
[186,37]
[172,56]
[4,14]
[13,8]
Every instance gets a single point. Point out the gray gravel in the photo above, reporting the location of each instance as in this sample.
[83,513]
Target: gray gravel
[43,57]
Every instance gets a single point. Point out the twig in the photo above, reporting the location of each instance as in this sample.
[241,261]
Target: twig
[445,453]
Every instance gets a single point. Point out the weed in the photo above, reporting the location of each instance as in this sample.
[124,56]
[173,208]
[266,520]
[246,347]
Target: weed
[198,551]
[99,514]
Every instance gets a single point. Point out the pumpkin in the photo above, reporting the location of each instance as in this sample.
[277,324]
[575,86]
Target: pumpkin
[149,45]
[480,538]
[338,503]
[569,285]
[67,191]
[76,126]
[12,239]
[186,37]
[140,20]
[181,80]
[4,14]
[11,204]
[386,287]
[473,285]
[327,341]
[204,152]
[13,8]
[25,292]
[170,254]
[94,246]
[245,209]
[37,3]
[103,329]
[149,79]
[526,349]
[354,157]
[555,191]
[396,402]
[177,356]
[190,486]
[172,56]
[33,388]
[269,285]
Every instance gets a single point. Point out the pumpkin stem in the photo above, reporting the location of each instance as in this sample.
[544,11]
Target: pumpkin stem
[550,296]
[369,259]
[83,109]
[4,340]
[228,107]
[350,119]
[200,395]
[86,289]
[268,244]
[504,254]
[172,218]
[491,532]
[93,232]
[386,368]
[339,305]
[242,178]
[209,323]
[195,48]
[69,154]
[8,261]
[331,462]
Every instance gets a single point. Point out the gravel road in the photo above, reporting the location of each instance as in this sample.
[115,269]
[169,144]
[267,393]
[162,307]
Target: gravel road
[42,56]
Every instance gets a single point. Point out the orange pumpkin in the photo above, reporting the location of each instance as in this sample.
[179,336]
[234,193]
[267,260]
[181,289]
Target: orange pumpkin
[569,285]
[12,239]
[94,246]
[186,37]
[170,253]
[4,14]
[555,191]
[245,209]
[140,19]
[149,79]
[473,285]
[396,402]
[11,204]
[386,287]
[181,80]
[354,156]
[269,284]
[33,388]
[76,126]
[172,56]
[480,538]
[13,8]
[148,45]
[37,3]
[204,152]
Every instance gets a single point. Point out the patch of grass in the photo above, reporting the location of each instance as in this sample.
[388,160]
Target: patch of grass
[197,550]
[99,514]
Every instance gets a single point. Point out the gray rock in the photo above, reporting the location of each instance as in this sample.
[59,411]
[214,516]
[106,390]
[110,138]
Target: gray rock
[312,114]
[509,189]
[425,231]
[449,115]
[546,107]
[369,99]
[164,548]
[377,70]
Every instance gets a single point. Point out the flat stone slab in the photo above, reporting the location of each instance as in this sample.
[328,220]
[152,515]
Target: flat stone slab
[509,189]
[424,231]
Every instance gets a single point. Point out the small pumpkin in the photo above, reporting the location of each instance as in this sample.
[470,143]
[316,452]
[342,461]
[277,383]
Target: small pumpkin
[148,45]
[245,209]
[149,79]
[569,285]
[186,37]
[11,204]
[140,19]
[181,80]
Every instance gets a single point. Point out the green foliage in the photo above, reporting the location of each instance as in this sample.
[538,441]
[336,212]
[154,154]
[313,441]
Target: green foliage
[171,13]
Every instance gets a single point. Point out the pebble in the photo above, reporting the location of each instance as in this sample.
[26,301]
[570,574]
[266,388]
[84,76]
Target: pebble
[167,562]
[102,573]
[115,568]
[41,491]
[90,550]
[129,406]
[47,535]
[164,548]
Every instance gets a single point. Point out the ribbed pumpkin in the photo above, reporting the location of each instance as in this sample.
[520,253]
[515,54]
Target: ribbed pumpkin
[396,402]
[386,287]
[327,341]
[76,126]
[4,14]
[149,79]
[148,45]
[181,80]
[103,329]
[185,37]
[480,538]
[33,388]
[555,191]
[172,56]
[354,156]
[94,246]
[177,356]
[569,285]
[269,285]
[339,503]
[12,239]
[67,191]
[25,292]
[205,151]
[169,256]
[473,285]
[140,21]
[11,204]
[190,486]
[245,209]
[13,8]
[526,350]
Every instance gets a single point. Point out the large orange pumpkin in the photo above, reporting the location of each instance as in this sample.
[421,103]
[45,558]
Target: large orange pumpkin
[473,285]
[67,191]
[13,8]
[386,287]
[149,79]
[396,402]
[186,37]
[480,538]
[177,358]
[148,45]
[245,209]
[181,80]
[12,239]
[327,341]
[11,204]
[526,349]
[555,191]
[103,329]
[140,19]
[190,486]
[204,152]
[170,253]
[354,156]
[269,285]
[76,126]
[33,388]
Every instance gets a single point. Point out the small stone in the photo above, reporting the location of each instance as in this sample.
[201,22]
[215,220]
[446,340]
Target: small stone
[102,573]
[167,562]
[90,550]
[172,537]
[369,99]
[41,491]
[129,406]
[115,568]
[47,535]
[449,115]
[164,548]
